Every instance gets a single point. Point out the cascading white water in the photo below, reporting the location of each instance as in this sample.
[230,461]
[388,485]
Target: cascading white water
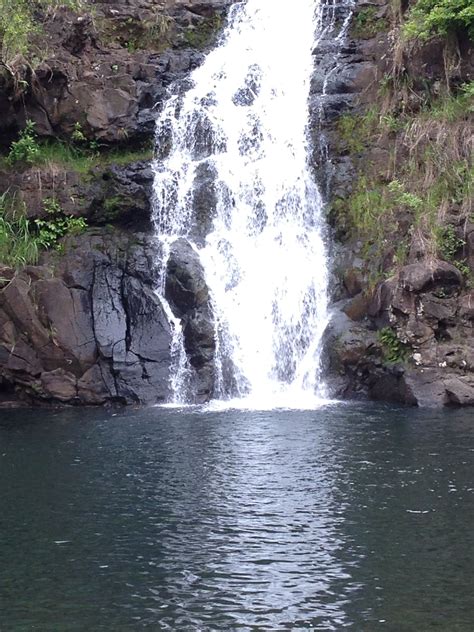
[244,125]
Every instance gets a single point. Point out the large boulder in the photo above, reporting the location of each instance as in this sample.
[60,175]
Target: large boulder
[423,276]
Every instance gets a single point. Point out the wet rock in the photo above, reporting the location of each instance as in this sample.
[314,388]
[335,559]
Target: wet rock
[382,298]
[204,201]
[187,292]
[59,385]
[389,385]
[352,281]
[357,308]
[199,337]
[186,287]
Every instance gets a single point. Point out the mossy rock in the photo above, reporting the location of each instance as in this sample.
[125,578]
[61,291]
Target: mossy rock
[204,33]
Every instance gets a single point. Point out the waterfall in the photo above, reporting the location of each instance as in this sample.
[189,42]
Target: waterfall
[233,177]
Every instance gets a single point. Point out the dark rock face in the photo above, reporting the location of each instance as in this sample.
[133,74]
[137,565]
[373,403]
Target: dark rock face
[113,194]
[112,81]
[89,329]
[186,288]
[422,276]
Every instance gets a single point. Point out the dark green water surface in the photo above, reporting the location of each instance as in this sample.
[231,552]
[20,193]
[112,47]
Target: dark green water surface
[351,517]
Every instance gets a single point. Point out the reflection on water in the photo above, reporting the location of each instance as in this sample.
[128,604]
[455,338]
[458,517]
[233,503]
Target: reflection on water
[347,517]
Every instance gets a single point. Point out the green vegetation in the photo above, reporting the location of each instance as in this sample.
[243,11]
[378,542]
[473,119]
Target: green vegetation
[394,351]
[374,212]
[429,18]
[202,34]
[18,241]
[428,175]
[377,211]
[133,34]
[22,239]
[18,25]
[26,148]
[80,154]
[448,242]
[449,246]
[451,107]
[356,130]
[57,225]
[366,24]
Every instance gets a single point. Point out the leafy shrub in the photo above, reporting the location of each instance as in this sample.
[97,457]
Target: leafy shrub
[449,245]
[403,198]
[394,350]
[26,149]
[58,225]
[78,135]
[448,242]
[429,18]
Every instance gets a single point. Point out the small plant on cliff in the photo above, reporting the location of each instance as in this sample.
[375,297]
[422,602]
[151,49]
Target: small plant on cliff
[18,242]
[78,135]
[26,149]
[357,130]
[448,242]
[404,198]
[393,349]
[449,245]
[58,225]
[366,23]
[21,239]
[84,145]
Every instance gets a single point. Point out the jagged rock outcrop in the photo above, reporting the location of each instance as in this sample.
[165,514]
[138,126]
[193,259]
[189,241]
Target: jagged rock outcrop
[429,361]
[87,328]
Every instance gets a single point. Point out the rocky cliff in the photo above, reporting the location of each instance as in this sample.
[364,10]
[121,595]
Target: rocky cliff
[401,212]
[84,325]
[392,148]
